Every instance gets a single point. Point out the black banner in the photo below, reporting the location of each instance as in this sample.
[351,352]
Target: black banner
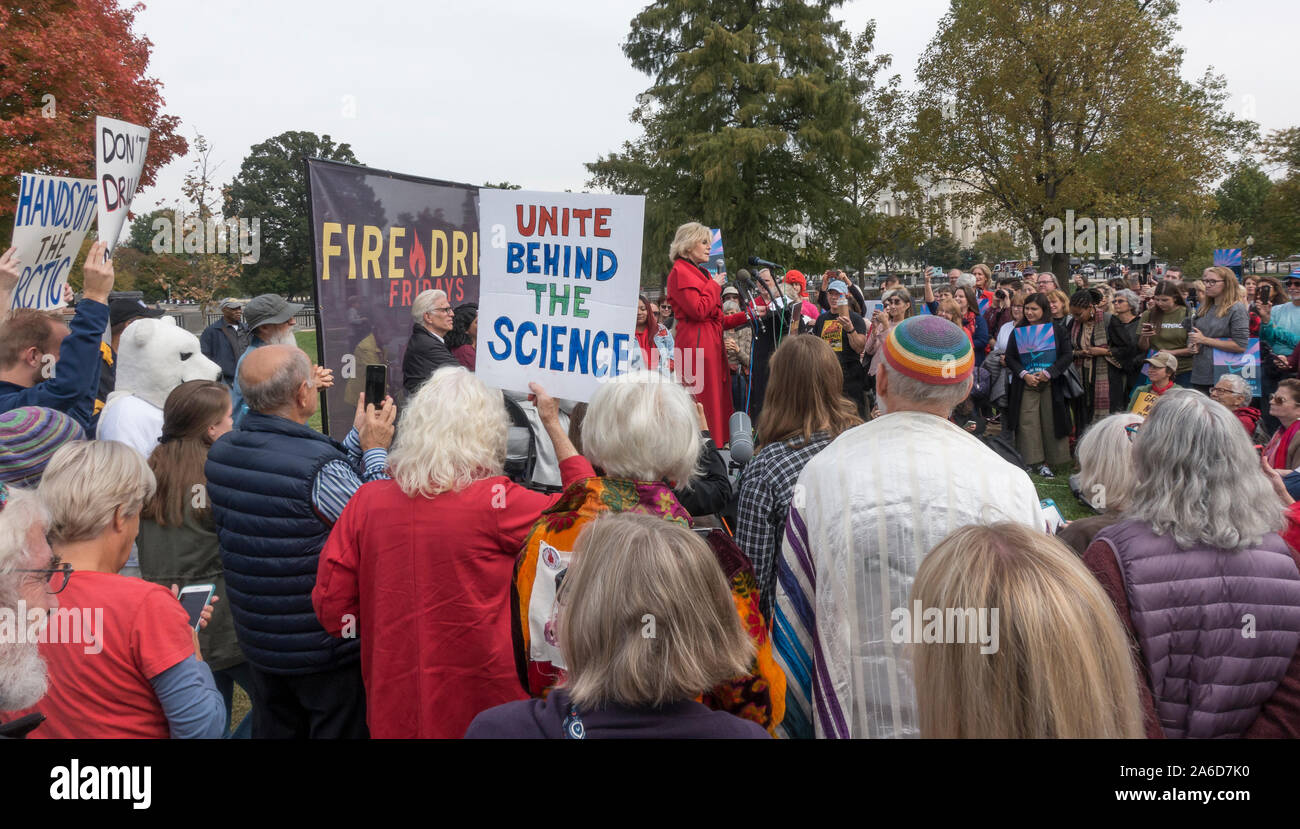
[379,239]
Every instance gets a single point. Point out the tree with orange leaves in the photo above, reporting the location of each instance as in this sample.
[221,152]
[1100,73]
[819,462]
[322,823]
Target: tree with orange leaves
[62,62]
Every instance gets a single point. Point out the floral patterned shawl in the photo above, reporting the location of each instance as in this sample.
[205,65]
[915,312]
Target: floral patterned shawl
[759,696]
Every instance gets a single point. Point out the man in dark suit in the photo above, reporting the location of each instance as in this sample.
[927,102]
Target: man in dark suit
[224,341]
[426,352]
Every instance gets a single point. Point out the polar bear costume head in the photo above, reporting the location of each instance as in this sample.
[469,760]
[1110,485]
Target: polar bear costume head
[155,356]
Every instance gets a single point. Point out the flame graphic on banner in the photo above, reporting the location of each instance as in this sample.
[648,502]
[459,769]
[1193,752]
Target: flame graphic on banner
[415,260]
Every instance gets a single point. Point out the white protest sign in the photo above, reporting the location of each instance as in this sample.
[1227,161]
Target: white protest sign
[119,159]
[50,224]
[560,276]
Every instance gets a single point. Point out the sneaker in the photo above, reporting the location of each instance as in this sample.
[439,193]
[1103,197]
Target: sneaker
[1045,471]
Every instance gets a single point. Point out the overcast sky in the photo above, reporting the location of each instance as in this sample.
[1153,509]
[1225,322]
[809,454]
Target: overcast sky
[527,91]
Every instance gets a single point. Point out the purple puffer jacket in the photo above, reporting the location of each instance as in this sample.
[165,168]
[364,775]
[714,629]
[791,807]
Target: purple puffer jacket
[1216,629]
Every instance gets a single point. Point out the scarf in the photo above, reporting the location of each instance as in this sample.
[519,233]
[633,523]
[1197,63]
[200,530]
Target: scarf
[1093,334]
[1280,446]
[759,696]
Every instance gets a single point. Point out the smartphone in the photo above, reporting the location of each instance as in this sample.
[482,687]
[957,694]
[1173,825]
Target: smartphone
[1265,292]
[376,385]
[194,598]
[1052,515]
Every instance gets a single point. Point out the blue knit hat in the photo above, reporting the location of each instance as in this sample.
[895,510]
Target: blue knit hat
[29,437]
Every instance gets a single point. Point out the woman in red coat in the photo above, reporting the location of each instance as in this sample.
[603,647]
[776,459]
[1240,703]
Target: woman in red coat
[420,566]
[696,296]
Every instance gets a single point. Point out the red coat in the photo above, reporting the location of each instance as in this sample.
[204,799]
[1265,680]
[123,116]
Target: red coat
[426,584]
[697,307]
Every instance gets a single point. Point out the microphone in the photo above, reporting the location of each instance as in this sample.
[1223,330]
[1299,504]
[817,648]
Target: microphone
[754,260]
[742,437]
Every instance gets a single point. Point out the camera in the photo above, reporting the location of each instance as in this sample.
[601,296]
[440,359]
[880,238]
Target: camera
[1000,294]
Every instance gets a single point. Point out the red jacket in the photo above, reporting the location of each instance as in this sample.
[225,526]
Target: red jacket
[697,336]
[425,583]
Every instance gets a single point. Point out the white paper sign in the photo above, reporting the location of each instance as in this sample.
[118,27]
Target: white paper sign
[560,275]
[119,159]
[53,216]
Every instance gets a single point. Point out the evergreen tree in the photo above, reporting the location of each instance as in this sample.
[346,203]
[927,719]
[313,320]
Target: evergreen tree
[272,186]
[748,109]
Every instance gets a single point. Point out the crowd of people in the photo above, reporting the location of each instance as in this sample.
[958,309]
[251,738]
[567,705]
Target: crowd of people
[890,573]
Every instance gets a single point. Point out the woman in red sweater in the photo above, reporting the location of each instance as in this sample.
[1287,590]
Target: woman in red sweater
[696,297]
[420,566]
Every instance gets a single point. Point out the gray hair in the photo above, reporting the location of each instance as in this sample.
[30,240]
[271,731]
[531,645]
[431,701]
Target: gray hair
[1199,477]
[23,509]
[628,568]
[277,391]
[642,426]
[1106,475]
[88,481]
[966,280]
[1238,384]
[925,394]
[688,236]
[424,302]
[1129,297]
[23,677]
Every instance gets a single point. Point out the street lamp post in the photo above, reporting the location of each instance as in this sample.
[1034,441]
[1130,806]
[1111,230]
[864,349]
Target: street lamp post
[1250,241]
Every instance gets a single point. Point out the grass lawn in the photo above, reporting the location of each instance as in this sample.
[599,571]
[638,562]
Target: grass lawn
[1058,489]
[307,342]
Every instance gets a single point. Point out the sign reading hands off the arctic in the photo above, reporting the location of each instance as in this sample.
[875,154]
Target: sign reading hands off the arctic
[120,148]
[53,215]
[560,277]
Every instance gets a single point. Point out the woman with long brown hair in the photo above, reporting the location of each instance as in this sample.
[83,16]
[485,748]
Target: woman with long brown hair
[1164,327]
[803,411]
[178,539]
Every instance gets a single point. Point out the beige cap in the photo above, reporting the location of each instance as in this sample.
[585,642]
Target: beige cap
[1164,360]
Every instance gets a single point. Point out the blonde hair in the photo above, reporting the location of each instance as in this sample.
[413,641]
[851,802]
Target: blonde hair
[1063,667]
[1233,292]
[630,571]
[86,483]
[453,432]
[642,426]
[688,236]
[1106,470]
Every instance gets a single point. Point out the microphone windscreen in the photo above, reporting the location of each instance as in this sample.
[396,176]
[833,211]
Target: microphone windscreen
[742,438]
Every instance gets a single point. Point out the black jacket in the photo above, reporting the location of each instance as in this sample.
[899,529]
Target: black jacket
[425,354]
[1060,410]
[711,492]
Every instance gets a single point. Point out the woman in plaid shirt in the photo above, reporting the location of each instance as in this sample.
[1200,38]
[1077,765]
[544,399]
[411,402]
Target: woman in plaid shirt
[803,411]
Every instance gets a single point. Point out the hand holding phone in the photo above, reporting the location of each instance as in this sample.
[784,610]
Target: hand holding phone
[376,385]
[197,599]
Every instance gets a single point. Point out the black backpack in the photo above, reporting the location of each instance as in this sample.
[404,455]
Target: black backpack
[1005,445]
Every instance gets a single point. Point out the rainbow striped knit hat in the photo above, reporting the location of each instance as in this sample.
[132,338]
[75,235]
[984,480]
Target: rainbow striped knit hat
[930,349]
[29,437]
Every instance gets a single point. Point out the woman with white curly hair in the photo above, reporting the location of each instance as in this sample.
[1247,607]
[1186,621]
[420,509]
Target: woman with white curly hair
[426,558]
[1207,588]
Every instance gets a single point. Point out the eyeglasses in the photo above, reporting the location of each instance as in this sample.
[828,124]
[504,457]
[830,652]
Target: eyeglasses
[446,310]
[895,302]
[1208,282]
[1277,398]
[56,578]
[1132,429]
